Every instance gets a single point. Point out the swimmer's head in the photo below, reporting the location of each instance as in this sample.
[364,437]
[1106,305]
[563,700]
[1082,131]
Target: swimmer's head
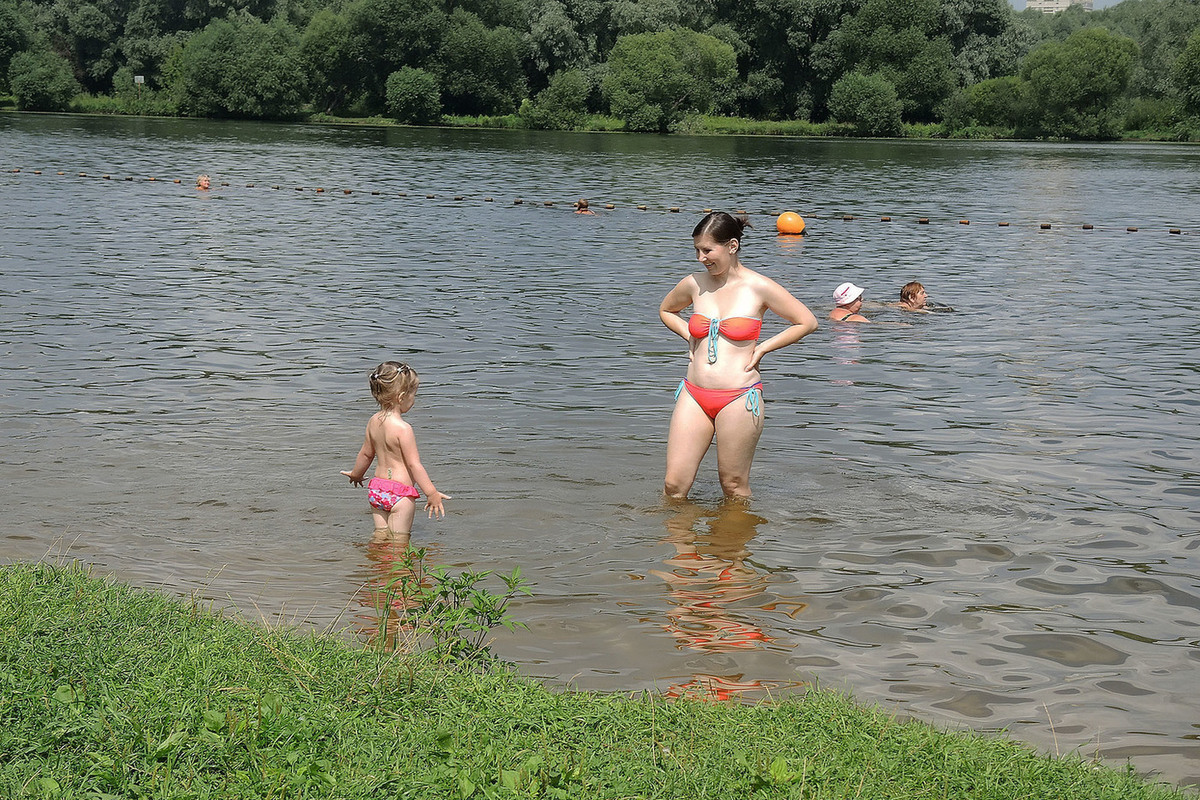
[582,203]
[846,293]
[722,228]
[912,294]
[394,384]
[202,182]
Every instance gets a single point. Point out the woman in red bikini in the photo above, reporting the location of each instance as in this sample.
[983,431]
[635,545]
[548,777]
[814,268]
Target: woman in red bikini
[721,397]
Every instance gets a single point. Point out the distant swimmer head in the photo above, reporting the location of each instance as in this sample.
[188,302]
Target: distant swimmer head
[394,384]
[847,293]
[202,182]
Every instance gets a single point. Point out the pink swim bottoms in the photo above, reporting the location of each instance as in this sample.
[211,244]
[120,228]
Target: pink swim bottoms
[384,494]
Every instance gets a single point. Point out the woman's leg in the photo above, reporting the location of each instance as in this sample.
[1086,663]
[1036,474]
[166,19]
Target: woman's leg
[690,435]
[737,430]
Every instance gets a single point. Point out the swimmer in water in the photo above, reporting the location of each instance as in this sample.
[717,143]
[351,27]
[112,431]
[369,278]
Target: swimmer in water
[848,302]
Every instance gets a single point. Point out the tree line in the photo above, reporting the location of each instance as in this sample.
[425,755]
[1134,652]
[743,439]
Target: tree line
[968,68]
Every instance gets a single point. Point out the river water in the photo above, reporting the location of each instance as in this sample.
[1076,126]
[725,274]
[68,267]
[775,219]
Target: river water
[987,519]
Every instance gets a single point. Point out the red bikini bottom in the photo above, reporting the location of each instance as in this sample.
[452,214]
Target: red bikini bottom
[711,401]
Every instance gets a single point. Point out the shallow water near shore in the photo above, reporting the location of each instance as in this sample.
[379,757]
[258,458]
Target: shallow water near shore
[986,519]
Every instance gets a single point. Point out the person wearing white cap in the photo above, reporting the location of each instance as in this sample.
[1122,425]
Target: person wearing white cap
[848,300]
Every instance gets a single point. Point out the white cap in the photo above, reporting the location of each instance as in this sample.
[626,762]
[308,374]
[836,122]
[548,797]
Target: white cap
[846,293]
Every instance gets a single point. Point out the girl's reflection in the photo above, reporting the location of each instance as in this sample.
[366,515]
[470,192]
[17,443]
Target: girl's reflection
[708,572]
[379,621]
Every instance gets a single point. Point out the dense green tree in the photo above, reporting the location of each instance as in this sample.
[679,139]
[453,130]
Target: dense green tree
[41,81]
[1074,85]
[14,37]
[561,105]
[994,103]
[655,79]
[1186,75]
[413,96]
[239,67]
[1162,29]
[867,102]
[553,41]
[479,68]
[330,61]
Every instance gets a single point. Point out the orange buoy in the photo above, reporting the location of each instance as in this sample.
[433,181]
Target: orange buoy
[885,219]
[1131,229]
[1002,224]
[1087,226]
[964,222]
[674,209]
[790,223]
[923,221]
[609,206]
[1045,226]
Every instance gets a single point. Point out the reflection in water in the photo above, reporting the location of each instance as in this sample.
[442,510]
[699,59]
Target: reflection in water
[388,561]
[708,573]
[846,345]
[707,579]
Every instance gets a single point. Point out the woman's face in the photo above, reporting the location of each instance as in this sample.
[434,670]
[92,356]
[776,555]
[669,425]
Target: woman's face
[717,258]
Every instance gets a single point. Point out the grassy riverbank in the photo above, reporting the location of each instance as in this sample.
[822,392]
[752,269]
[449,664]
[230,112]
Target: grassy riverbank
[114,692]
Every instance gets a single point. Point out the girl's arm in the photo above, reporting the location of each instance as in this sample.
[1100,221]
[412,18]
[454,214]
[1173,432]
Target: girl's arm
[363,462]
[781,302]
[677,300]
[412,459]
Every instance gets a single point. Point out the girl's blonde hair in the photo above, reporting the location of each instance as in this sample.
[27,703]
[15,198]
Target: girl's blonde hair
[391,382]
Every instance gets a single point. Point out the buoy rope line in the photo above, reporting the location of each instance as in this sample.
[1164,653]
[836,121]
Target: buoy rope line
[570,204]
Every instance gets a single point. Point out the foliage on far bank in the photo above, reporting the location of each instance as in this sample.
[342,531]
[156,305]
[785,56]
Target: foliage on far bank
[852,64]
[114,692]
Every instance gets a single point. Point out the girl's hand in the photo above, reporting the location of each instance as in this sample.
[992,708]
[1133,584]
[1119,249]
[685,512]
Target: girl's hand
[433,504]
[353,480]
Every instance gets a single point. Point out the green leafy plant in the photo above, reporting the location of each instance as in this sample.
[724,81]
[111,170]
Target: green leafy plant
[449,614]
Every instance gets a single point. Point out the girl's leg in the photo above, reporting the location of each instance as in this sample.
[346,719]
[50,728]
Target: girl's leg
[737,437]
[400,518]
[688,440]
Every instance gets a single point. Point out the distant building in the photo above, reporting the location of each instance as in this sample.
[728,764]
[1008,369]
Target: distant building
[1051,6]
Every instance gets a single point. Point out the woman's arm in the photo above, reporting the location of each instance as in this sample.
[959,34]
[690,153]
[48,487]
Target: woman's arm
[781,302]
[677,300]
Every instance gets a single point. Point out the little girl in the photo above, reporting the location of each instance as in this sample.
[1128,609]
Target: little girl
[390,439]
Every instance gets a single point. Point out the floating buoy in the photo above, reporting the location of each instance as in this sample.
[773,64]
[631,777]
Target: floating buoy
[345,191]
[923,221]
[429,197]
[1002,224]
[1131,229]
[487,200]
[319,191]
[609,206]
[964,222]
[707,211]
[885,219]
[518,201]
[847,217]
[248,185]
[641,208]
[674,209]
[1174,230]
[375,192]
[790,223]
[179,181]
[1087,226]
[1045,226]
[458,197]
[547,203]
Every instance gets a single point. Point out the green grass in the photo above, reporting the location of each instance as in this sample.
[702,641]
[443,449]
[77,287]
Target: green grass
[107,691]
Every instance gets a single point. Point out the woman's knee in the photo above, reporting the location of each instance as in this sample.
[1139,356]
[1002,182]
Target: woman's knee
[735,485]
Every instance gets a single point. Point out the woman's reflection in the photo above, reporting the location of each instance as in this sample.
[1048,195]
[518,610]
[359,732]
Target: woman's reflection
[707,573]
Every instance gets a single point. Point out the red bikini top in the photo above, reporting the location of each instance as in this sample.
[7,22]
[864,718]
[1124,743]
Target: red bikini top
[738,329]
